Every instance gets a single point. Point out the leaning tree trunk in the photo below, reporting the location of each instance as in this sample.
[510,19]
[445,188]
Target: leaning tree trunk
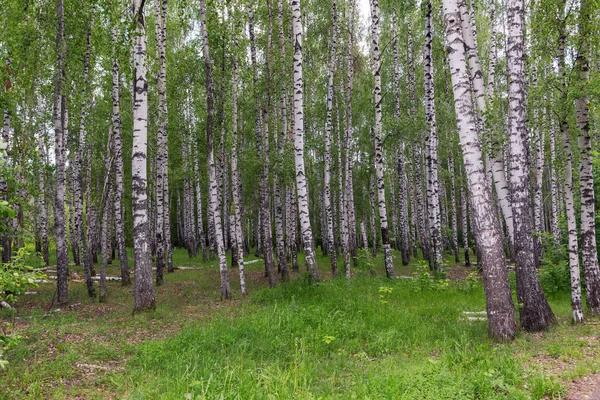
[235,183]
[328,127]
[301,181]
[500,307]
[62,251]
[142,256]
[118,190]
[213,203]
[589,250]
[433,185]
[107,198]
[385,236]
[535,313]
[78,169]
[497,166]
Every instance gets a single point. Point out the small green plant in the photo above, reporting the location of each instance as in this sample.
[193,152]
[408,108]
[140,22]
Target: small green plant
[426,280]
[383,291]
[16,277]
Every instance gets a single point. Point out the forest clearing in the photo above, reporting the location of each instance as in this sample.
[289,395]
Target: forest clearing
[410,338]
[242,199]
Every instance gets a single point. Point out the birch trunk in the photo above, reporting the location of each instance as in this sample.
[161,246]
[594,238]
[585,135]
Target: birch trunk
[43,217]
[279,193]
[142,256]
[433,185]
[328,126]
[453,217]
[499,303]
[589,251]
[213,203]
[373,221]
[348,136]
[199,210]
[385,236]
[78,169]
[301,181]
[107,197]
[62,256]
[163,228]
[118,154]
[538,137]
[235,183]
[465,226]
[535,313]
[499,177]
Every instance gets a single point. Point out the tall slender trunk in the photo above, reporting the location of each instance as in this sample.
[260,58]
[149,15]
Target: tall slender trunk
[278,189]
[453,216]
[235,178]
[301,181]
[262,144]
[343,214]
[554,184]
[225,285]
[78,169]
[328,126]
[465,225]
[107,198]
[348,136]
[589,251]
[62,256]
[164,256]
[385,236]
[118,154]
[433,185]
[538,140]
[500,307]
[372,202]
[142,256]
[535,313]
[43,217]
[199,210]
[499,177]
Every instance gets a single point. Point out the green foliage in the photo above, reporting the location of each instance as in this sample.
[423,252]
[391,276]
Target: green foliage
[555,277]
[426,280]
[16,276]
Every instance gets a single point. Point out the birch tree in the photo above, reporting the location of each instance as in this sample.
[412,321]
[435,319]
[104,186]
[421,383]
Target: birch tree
[301,181]
[535,313]
[213,202]
[499,303]
[143,288]
[62,257]
[589,251]
[385,236]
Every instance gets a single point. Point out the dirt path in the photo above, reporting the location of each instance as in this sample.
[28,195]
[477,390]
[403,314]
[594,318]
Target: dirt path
[587,388]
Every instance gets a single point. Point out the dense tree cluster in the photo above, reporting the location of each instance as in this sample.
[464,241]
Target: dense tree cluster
[286,127]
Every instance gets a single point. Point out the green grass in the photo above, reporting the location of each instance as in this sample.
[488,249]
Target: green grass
[367,338]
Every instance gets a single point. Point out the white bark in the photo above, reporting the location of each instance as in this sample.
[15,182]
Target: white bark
[142,256]
[385,236]
[433,185]
[500,307]
[213,202]
[62,258]
[301,181]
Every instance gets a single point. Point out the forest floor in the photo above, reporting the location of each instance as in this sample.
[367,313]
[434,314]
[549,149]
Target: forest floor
[367,338]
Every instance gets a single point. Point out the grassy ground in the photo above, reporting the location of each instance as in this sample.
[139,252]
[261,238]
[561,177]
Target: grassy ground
[367,338]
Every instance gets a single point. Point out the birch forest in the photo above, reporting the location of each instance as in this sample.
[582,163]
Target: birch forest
[300,199]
